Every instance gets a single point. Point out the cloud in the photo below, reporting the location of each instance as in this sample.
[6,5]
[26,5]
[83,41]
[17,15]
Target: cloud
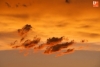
[85,26]
[50,42]
[90,35]
[63,24]
[24,5]
[7,4]
[13,34]
[66,52]
[51,45]
[92,19]
[23,32]
[58,47]
[27,44]
[67,1]
[54,40]
[20,16]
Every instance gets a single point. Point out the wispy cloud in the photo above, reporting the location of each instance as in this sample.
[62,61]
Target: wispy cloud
[66,52]
[91,35]
[20,16]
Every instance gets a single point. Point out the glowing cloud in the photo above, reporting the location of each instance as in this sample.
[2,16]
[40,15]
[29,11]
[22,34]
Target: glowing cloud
[51,45]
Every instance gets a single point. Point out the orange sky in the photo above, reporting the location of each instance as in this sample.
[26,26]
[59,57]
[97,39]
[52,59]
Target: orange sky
[76,20]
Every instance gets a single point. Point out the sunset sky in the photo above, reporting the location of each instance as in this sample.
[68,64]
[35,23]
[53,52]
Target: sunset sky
[76,20]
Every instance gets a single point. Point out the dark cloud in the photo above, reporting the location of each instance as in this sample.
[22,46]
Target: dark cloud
[20,5]
[22,39]
[50,42]
[28,43]
[67,1]
[5,35]
[17,5]
[58,47]
[23,32]
[69,50]
[84,41]
[7,4]
[54,40]
[24,5]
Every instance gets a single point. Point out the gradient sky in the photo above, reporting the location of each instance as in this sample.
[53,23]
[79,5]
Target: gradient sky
[76,20]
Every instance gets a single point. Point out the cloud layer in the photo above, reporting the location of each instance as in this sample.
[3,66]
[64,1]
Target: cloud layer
[51,45]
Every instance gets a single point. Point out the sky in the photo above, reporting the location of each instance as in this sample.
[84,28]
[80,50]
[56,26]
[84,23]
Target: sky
[74,19]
